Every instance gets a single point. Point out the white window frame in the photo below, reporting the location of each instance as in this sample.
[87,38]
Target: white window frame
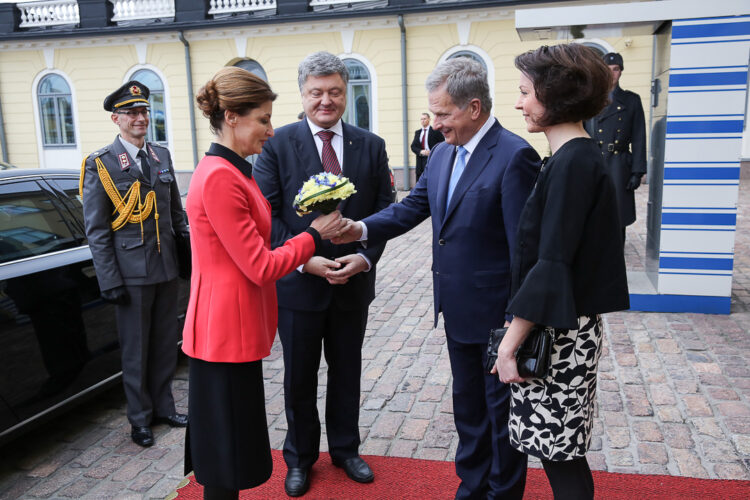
[41,148]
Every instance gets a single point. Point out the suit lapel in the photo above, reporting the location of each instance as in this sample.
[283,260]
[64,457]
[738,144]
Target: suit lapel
[477,163]
[307,153]
[352,151]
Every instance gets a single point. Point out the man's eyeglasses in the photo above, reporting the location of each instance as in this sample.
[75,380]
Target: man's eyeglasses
[133,113]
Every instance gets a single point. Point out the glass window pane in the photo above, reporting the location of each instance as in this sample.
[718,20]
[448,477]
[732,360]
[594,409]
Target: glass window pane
[357,70]
[470,55]
[66,120]
[149,79]
[157,128]
[29,223]
[253,67]
[50,133]
[54,84]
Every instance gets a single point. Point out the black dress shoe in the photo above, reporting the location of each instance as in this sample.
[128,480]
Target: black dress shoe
[176,420]
[142,436]
[356,468]
[297,481]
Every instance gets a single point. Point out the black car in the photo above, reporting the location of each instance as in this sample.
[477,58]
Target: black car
[58,339]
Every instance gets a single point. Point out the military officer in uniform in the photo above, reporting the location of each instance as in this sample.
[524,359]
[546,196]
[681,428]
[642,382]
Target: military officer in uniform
[133,215]
[620,132]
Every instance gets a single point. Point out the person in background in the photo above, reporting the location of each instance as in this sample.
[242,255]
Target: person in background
[474,188]
[568,267]
[620,133]
[231,318]
[425,138]
[135,256]
[316,311]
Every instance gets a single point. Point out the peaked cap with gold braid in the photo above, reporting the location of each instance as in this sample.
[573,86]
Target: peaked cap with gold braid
[131,95]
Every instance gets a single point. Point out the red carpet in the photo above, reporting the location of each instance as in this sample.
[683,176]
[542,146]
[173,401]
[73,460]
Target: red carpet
[408,478]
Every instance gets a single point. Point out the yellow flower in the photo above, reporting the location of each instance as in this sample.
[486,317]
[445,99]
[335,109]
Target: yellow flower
[322,193]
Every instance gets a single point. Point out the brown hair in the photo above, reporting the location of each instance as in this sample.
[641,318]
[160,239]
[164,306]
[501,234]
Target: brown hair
[232,89]
[570,80]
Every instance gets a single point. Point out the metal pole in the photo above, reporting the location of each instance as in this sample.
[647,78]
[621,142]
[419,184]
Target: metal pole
[191,106]
[404,106]
[3,142]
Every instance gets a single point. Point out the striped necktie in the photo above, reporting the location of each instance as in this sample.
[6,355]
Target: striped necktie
[328,157]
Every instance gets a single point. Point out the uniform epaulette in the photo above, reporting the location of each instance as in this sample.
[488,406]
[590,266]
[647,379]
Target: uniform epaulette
[96,154]
[99,152]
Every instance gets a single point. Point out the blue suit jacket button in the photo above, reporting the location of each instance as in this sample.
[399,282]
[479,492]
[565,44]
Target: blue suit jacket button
[441,242]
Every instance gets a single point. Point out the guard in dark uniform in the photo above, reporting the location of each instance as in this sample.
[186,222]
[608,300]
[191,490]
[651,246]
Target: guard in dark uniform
[620,131]
[134,216]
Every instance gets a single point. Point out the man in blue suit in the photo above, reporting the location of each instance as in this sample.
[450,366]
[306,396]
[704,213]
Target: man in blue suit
[474,187]
[317,312]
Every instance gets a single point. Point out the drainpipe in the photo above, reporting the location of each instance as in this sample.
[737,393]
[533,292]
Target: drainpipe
[3,143]
[191,106]
[404,110]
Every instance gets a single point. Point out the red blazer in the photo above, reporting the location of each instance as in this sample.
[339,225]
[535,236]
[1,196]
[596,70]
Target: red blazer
[232,313]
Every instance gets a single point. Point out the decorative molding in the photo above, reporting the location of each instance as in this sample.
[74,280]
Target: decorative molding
[141,48]
[49,57]
[374,86]
[347,39]
[241,42]
[464,28]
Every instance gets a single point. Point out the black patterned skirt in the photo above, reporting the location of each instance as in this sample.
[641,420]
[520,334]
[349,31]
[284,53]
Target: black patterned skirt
[551,418]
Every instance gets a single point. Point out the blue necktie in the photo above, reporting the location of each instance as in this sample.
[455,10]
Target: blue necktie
[457,171]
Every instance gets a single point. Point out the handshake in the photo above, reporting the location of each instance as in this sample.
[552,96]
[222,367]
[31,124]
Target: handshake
[336,228]
[339,230]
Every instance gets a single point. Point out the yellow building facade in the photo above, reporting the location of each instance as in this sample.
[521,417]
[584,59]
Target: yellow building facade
[93,66]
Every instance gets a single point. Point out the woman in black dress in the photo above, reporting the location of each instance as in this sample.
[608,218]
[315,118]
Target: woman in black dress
[568,266]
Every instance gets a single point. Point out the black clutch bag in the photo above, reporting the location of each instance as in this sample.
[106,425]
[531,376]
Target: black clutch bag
[533,355]
[184,255]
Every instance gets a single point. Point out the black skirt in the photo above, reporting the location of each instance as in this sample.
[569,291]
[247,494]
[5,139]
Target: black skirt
[226,442]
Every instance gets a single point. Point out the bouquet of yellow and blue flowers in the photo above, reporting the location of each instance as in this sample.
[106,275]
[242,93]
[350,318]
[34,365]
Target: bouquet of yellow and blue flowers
[322,193]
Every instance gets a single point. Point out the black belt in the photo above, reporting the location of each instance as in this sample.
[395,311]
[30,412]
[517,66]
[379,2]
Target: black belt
[616,148]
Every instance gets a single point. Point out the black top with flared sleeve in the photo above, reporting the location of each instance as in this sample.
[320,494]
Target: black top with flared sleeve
[569,251]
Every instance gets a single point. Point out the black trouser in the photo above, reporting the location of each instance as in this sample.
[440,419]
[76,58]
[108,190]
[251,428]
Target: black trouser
[571,479]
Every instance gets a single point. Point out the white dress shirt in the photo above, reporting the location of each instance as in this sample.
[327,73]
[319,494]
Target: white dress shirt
[132,151]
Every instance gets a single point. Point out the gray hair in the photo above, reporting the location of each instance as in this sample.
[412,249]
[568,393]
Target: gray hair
[464,80]
[321,64]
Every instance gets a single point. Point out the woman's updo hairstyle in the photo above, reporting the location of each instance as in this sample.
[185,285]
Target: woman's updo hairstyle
[571,81]
[232,89]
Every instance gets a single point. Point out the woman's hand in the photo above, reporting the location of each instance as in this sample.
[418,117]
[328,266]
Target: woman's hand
[329,226]
[506,365]
[506,368]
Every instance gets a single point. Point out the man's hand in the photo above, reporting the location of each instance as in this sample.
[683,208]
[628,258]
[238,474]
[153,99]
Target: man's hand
[425,152]
[634,182]
[117,295]
[319,266]
[353,264]
[352,232]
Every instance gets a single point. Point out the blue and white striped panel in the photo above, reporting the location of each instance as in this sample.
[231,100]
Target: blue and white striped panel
[705,114]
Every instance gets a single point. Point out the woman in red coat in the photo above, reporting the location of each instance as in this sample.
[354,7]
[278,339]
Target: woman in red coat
[231,318]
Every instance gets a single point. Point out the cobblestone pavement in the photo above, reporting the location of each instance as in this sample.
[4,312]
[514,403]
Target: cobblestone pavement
[674,393]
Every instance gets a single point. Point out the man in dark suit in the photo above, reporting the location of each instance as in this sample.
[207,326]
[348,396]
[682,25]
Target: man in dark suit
[620,132]
[135,256]
[424,140]
[316,311]
[474,188]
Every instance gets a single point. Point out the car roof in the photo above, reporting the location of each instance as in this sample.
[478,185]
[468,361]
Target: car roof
[37,172]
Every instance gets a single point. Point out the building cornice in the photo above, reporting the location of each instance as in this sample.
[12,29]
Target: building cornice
[280,29]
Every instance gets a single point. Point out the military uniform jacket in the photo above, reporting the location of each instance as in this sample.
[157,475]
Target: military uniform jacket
[123,257]
[620,132]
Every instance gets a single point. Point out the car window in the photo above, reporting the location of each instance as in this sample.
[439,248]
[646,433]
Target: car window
[29,222]
[71,200]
